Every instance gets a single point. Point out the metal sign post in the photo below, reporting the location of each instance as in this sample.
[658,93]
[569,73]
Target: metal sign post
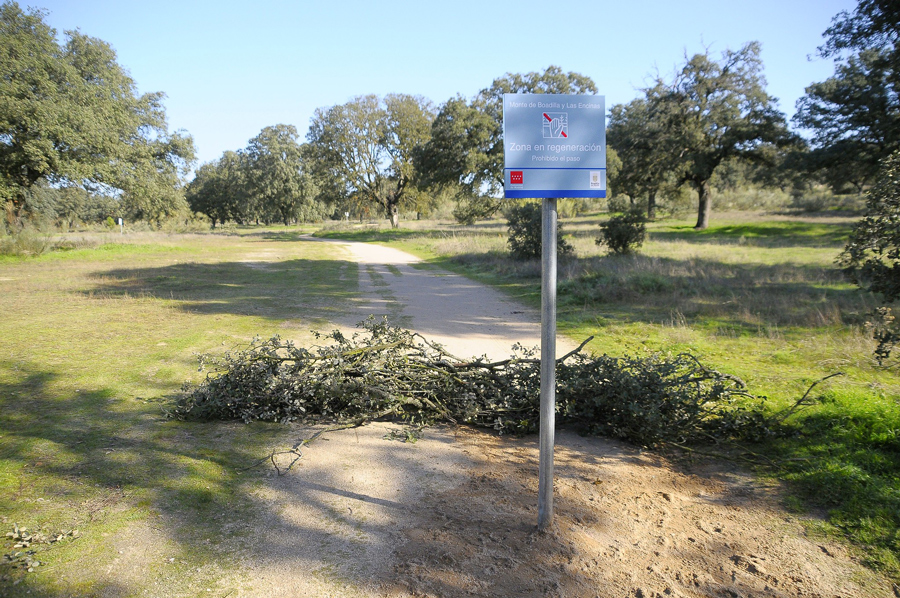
[548,361]
[554,146]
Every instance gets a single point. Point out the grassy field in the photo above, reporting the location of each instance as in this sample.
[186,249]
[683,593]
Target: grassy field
[94,344]
[755,295]
[96,341]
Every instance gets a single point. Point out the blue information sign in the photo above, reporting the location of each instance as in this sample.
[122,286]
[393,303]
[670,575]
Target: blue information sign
[554,145]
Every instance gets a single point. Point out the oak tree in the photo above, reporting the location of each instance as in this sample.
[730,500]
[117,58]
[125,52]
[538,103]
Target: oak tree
[70,114]
[364,149]
[854,116]
[278,177]
[466,145]
[636,133]
[715,110]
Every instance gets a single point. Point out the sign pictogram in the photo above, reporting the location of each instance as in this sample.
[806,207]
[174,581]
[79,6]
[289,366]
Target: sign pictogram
[555,125]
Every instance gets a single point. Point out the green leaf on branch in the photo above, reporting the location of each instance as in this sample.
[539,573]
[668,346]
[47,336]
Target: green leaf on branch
[385,372]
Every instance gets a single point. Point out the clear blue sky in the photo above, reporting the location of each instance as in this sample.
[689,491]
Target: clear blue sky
[231,68]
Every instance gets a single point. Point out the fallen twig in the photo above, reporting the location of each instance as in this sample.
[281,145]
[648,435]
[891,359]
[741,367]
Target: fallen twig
[802,402]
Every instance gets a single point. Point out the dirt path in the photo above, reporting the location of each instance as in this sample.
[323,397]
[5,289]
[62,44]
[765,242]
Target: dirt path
[468,318]
[454,514]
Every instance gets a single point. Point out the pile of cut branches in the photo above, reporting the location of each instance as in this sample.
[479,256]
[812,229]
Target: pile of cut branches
[385,372]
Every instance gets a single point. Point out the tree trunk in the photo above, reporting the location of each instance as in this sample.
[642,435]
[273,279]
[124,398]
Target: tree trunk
[395,216]
[651,205]
[705,205]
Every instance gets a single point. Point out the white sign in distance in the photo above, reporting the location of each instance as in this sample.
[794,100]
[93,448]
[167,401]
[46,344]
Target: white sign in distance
[554,145]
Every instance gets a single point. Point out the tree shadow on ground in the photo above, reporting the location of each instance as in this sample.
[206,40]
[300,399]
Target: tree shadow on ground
[451,515]
[278,290]
[85,459]
[103,466]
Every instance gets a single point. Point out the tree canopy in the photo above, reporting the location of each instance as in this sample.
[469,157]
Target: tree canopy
[269,180]
[364,149]
[872,256]
[70,114]
[875,24]
[716,110]
[466,146]
[71,117]
[854,115]
[278,177]
[219,189]
[636,134]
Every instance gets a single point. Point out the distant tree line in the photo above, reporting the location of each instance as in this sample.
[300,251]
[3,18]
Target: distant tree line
[268,181]
[76,140]
[715,114]
[710,126]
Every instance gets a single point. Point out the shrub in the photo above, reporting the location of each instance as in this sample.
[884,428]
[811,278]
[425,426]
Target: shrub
[871,258]
[29,241]
[470,209]
[618,203]
[525,232]
[623,233]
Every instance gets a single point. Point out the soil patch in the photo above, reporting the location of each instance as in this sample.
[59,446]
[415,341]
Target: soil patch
[455,515]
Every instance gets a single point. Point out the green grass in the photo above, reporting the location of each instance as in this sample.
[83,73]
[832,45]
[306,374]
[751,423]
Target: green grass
[94,344]
[758,296]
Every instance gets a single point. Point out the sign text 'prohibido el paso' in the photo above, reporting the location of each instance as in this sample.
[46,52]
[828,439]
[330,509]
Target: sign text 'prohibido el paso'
[554,145]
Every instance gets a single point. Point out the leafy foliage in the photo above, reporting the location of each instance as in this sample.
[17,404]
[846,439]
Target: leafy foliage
[28,241]
[623,233]
[715,110]
[656,399]
[871,258]
[855,114]
[525,235]
[278,176]
[470,209]
[221,191]
[855,119]
[67,206]
[70,113]
[388,372]
[635,134]
[875,24]
[458,152]
[466,145]
[269,180]
[364,149]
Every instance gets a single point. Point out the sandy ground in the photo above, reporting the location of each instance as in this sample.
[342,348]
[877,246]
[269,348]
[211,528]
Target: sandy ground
[455,513]
[469,319]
